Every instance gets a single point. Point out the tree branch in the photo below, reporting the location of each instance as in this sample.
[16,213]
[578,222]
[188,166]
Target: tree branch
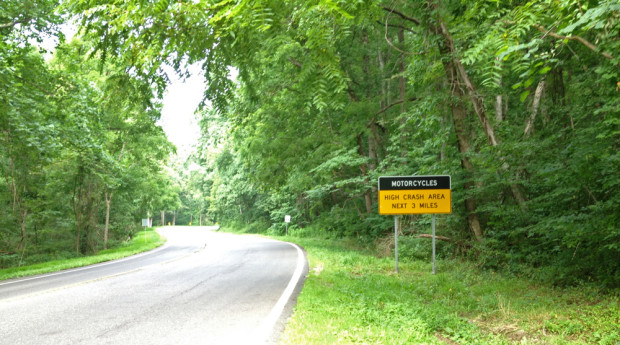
[386,108]
[295,63]
[353,95]
[390,42]
[7,25]
[13,23]
[441,238]
[402,15]
[579,39]
[397,26]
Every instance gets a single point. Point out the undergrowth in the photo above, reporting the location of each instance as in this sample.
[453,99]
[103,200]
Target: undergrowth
[136,245]
[353,295]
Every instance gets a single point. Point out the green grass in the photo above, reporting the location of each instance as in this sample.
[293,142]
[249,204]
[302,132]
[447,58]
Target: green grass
[134,246]
[354,297]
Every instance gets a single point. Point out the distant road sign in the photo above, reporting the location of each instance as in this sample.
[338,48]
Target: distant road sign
[415,194]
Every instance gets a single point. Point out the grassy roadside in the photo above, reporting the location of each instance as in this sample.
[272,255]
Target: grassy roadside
[355,298]
[351,297]
[135,246]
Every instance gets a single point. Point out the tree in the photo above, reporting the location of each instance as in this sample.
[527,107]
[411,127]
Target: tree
[332,94]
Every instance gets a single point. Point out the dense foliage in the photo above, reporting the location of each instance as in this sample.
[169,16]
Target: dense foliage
[80,155]
[517,100]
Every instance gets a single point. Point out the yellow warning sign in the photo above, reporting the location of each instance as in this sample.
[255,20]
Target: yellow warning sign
[415,195]
[415,201]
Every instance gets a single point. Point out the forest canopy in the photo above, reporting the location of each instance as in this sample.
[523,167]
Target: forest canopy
[518,101]
[80,155]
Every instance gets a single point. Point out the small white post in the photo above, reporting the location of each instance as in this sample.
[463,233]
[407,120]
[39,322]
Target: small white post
[287,219]
[145,223]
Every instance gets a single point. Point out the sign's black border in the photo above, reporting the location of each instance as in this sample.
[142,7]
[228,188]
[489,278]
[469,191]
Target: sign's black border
[415,182]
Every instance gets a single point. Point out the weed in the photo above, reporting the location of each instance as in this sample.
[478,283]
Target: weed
[134,246]
[354,297]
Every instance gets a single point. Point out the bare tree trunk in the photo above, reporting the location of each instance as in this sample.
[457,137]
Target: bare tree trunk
[85,209]
[459,116]
[463,132]
[474,97]
[535,105]
[163,218]
[364,170]
[108,202]
[372,153]
[174,218]
[371,144]
[499,114]
[499,99]
[402,92]
[477,103]
[20,211]
[77,192]
[22,224]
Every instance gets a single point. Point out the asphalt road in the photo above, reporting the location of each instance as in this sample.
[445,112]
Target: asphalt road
[202,287]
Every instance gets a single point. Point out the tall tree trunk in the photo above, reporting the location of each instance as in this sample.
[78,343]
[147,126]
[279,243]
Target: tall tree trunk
[402,92]
[473,95]
[163,218]
[476,101]
[20,211]
[174,218]
[462,131]
[108,203]
[371,142]
[499,99]
[535,106]
[77,207]
[459,116]
[23,215]
[364,170]
[373,147]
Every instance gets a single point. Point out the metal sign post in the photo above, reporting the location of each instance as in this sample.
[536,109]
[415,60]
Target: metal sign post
[396,241]
[433,222]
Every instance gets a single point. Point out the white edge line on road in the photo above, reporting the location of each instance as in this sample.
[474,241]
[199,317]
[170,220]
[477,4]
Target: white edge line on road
[98,278]
[85,267]
[264,331]
[22,297]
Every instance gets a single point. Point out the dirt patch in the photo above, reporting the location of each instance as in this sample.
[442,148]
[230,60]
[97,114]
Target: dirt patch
[511,331]
[316,270]
[384,246]
[445,339]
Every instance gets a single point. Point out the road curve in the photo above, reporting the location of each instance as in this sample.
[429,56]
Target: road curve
[202,287]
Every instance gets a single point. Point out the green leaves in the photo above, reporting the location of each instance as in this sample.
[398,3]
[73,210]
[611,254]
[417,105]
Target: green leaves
[73,138]
[331,94]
